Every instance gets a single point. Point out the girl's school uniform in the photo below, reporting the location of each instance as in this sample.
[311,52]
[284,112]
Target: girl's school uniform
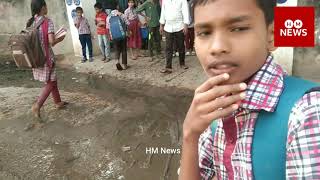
[134,40]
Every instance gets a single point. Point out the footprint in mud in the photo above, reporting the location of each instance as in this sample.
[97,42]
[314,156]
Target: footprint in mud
[34,125]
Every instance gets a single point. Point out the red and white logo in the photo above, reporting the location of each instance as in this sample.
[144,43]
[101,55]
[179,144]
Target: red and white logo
[294,27]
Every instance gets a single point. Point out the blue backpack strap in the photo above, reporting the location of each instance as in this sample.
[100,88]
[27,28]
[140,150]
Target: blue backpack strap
[270,136]
[213,127]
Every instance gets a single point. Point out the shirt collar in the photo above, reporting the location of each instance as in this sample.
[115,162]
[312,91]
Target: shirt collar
[264,87]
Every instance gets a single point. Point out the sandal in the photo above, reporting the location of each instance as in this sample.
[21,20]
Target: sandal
[166,70]
[61,105]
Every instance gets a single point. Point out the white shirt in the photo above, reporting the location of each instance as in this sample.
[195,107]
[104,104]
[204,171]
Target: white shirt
[174,15]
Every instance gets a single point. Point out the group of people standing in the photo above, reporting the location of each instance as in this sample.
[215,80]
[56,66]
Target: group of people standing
[146,23]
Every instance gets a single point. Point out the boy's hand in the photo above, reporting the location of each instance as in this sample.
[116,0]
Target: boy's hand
[77,24]
[161,29]
[119,13]
[185,29]
[101,23]
[212,101]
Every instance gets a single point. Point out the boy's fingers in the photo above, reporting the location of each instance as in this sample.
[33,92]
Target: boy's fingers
[210,83]
[220,91]
[221,103]
[223,112]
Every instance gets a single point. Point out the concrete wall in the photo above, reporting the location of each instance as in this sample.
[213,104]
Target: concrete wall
[15,13]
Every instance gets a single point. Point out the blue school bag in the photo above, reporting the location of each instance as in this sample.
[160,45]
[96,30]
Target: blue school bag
[117,28]
[269,146]
[144,33]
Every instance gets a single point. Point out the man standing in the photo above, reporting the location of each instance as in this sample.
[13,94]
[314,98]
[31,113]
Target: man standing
[152,15]
[174,21]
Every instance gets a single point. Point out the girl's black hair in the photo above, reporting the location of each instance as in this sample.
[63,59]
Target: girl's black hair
[36,6]
[267,6]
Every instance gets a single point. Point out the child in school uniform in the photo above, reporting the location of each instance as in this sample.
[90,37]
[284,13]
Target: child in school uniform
[121,44]
[102,31]
[249,120]
[83,27]
[47,74]
[134,39]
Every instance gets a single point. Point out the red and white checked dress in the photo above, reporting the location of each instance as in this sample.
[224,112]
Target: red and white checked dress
[43,74]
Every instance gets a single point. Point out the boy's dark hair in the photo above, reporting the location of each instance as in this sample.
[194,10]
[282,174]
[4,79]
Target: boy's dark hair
[79,9]
[267,6]
[98,5]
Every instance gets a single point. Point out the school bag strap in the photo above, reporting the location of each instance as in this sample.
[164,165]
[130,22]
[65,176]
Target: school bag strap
[34,26]
[271,128]
[38,24]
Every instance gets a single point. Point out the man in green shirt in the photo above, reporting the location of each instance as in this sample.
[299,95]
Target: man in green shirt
[152,10]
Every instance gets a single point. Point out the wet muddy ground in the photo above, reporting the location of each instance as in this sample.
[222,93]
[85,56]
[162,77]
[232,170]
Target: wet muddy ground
[102,134]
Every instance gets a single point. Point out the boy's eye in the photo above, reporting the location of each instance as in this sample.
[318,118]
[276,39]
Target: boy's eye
[202,33]
[239,29]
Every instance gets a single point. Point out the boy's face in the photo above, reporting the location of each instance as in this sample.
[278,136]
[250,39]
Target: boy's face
[98,10]
[232,37]
[79,13]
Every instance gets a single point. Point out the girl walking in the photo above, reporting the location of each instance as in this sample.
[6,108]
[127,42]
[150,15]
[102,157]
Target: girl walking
[47,74]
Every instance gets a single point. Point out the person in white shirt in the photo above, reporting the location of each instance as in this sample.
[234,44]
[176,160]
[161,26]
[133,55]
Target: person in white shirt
[174,21]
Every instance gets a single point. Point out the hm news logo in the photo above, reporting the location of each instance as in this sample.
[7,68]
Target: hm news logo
[294,27]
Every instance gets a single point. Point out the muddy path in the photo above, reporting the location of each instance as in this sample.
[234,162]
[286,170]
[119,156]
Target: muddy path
[103,134]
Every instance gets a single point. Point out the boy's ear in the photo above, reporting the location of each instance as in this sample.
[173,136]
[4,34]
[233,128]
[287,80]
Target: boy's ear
[271,46]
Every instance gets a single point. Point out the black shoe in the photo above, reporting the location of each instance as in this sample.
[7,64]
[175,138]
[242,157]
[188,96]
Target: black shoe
[119,67]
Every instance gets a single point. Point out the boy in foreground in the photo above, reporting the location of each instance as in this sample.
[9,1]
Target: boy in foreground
[245,89]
